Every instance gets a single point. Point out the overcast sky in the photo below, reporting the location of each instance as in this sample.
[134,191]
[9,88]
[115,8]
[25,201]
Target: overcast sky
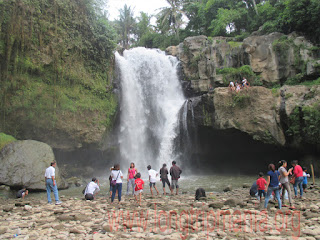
[148,6]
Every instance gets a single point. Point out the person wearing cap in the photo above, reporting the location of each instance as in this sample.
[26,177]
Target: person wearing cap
[92,189]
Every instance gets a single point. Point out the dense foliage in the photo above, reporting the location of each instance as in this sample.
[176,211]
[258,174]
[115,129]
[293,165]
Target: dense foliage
[233,18]
[55,59]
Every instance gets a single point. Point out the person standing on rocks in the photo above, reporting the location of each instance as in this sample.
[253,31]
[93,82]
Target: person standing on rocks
[152,179]
[284,180]
[261,183]
[273,185]
[298,173]
[164,177]
[175,173]
[139,185]
[51,184]
[132,171]
[92,189]
[116,182]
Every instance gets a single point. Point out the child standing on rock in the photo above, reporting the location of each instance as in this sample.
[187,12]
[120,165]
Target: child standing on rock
[305,179]
[261,183]
[139,185]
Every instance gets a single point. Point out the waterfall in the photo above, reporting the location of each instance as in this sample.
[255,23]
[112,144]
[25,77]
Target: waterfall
[150,102]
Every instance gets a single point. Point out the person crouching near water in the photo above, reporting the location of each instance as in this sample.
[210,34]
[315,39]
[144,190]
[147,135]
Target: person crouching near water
[152,179]
[284,180]
[261,183]
[22,193]
[175,173]
[92,189]
[139,185]
[273,185]
[164,177]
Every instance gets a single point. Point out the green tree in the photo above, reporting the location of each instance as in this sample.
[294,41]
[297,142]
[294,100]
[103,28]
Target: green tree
[126,26]
[170,18]
[143,29]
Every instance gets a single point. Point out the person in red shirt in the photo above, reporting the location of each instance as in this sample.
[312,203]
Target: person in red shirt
[139,185]
[261,183]
[298,173]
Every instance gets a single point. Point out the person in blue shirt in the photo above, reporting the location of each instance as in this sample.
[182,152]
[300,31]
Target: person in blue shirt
[305,179]
[273,185]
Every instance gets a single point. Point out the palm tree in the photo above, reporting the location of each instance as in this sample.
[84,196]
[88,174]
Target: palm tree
[170,18]
[126,25]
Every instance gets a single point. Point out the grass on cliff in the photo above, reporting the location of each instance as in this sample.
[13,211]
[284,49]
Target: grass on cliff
[56,59]
[5,140]
[236,74]
[43,103]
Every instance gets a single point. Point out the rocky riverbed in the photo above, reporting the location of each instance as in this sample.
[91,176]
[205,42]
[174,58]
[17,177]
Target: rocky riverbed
[228,215]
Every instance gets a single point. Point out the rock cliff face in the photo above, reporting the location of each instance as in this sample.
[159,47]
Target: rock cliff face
[272,59]
[270,111]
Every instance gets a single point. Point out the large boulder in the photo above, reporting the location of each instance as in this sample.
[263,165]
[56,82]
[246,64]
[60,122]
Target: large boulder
[23,163]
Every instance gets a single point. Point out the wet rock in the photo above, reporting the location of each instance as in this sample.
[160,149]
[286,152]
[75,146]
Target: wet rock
[21,204]
[8,208]
[228,188]
[216,205]
[27,208]
[3,230]
[65,217]
[230,202]
[107,227]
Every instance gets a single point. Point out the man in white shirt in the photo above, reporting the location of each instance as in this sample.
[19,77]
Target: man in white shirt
[51,184]
[92,189]
[153,179]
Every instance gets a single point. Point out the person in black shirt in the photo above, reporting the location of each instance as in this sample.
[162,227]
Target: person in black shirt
[164,177]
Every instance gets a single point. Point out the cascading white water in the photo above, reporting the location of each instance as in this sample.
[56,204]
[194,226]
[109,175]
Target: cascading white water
[151,99]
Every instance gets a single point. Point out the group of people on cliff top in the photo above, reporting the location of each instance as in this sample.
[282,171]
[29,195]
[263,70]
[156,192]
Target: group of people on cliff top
[133,178]
[278,180]
[237,86]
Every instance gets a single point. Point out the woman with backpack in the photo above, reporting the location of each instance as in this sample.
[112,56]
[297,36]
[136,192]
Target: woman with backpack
[116,182]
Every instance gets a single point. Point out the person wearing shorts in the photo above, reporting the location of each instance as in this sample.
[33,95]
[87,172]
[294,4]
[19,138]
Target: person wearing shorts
[152,178]
[164,177]
[261,183]
[175,173]
[139,185]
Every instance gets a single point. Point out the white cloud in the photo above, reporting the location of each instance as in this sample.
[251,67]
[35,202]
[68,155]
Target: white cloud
[148,6]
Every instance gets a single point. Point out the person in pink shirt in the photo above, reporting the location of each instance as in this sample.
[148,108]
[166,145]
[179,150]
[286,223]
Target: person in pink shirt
[132,171]
[298,173]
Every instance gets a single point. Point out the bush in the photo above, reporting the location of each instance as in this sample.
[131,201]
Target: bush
[5,140]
